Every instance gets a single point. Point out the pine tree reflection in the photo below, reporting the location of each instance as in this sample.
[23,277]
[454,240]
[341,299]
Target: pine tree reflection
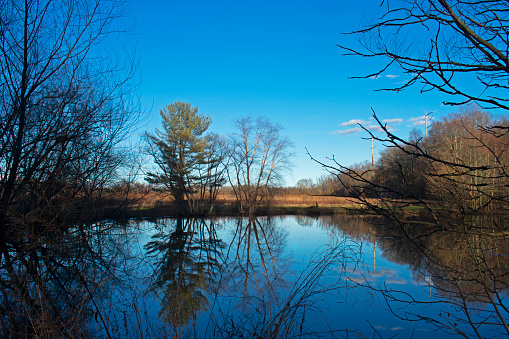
[188,252]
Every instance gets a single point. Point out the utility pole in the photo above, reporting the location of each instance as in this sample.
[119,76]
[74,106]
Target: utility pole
[372,155]
[374,250]
[426,124]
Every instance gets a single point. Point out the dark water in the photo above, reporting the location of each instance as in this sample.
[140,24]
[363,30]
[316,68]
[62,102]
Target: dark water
[288,277]
[303,277]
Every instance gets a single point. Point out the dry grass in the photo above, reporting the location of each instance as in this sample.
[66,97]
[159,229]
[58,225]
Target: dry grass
[154,199]
[300,200]
[150,199]
[311,200]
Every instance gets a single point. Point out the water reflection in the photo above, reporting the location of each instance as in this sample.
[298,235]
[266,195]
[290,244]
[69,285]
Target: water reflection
[188,254]
[256,262]
[242,278]
[463,262]
[260,277]
[265,291]
[50,279]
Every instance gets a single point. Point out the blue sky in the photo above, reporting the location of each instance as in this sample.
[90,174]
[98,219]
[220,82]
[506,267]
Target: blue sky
[273,59]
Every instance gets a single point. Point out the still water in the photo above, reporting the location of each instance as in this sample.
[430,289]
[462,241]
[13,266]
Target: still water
[341,276]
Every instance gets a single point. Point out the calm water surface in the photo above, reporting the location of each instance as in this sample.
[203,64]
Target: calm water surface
[338,276]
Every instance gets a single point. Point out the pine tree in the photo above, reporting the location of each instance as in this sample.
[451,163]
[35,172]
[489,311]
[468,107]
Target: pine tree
[188,159]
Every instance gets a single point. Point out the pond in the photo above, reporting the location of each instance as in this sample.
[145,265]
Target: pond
[296,276]
[280,277]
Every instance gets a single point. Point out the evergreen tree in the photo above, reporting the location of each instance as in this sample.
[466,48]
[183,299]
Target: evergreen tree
[188,159]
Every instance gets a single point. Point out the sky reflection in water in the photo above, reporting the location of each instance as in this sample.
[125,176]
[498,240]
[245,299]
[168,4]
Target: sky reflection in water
[235,276]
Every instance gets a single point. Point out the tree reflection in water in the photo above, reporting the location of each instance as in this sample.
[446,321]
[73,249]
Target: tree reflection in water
[194,265]
[188,253]
[464,262]
[51,280]
[257,266]
[247,286]
[244,278]
[261,281]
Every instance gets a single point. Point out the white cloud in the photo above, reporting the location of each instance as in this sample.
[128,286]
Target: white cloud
[352,122]
[375,128]
[349,131]
[416,119]
[390,76]
[399,281]
[390,272]
[392,121]
[370,125]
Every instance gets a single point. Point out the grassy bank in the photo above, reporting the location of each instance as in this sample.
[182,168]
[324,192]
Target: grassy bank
[156,205]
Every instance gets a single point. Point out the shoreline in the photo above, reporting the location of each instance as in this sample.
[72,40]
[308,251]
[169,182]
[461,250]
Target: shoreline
[231,211]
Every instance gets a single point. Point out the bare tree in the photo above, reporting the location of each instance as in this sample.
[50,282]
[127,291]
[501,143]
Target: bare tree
[259,155]
[327,184]
[65,108]
[401,172]
[464,168]
[477,185]
[461,165]
[456,47]
[305,186]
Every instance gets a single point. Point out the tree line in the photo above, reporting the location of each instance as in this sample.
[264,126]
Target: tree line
[460,169]
[462,163]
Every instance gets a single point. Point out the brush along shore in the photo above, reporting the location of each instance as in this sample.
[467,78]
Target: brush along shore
[157,204]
